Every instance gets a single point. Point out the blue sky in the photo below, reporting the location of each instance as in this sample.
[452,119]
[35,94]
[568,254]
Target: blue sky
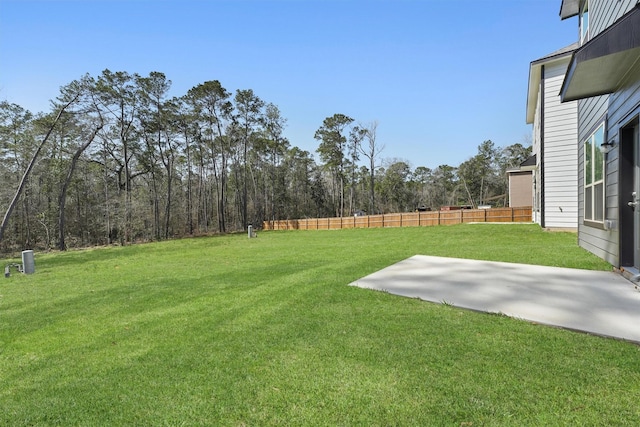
[439,76]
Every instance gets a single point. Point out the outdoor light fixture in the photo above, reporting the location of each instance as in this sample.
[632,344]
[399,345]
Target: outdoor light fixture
[605,147]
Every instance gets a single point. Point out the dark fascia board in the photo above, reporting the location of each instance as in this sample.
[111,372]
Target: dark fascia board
[527,166]
[599,66]
[569,8]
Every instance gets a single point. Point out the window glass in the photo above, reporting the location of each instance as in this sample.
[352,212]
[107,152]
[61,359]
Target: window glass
[588,207]
[594,174]
[588,169]
[598,202]
[598,163]
[598,136]
[584,22]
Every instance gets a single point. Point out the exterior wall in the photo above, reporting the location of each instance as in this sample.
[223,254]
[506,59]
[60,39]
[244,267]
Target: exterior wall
[535,149]
[520,189]
[603,13]
[603,243]
[560,151]
[592,112]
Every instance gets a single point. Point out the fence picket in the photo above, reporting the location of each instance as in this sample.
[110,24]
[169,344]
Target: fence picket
[419,219]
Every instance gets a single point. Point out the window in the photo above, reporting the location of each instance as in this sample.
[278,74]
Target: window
[594,177]
[584,22]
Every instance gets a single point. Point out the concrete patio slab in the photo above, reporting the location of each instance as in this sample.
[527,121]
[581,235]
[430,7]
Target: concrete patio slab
[596,302]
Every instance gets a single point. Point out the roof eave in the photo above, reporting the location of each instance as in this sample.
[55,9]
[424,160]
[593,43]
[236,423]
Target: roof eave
[569,8]
[601,65]
[535,75]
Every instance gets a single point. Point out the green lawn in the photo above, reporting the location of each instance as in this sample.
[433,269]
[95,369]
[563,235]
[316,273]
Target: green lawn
[258,332]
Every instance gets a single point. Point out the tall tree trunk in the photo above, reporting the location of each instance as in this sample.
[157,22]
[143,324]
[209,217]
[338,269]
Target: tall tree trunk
[167,158]
[372,185]
[167,209]
[189,178]
[106,200]
[222,199]
[244,187]
[25,176]
[63,193]
[341,196]
[202,196]
[127,196]
[156,206]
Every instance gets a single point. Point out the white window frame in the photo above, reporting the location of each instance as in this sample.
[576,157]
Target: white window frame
[584,22]
[594,176]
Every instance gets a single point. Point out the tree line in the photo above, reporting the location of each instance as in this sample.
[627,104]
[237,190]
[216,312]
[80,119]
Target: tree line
[117,160]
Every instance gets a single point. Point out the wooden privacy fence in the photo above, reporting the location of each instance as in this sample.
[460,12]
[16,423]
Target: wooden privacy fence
[409,219]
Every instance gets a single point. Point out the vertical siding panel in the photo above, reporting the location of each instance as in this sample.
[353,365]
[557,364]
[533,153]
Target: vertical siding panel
[537,184]
[560,152]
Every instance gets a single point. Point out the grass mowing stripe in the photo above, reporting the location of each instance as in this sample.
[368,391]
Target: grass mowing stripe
[237,331]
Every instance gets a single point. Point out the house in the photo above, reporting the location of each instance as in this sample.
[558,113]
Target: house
[603,76]
[521,184]
[554,159]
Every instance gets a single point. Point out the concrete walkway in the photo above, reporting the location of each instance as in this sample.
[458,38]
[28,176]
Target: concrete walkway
[597,302]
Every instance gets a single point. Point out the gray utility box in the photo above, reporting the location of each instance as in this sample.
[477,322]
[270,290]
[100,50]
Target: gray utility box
[28,262]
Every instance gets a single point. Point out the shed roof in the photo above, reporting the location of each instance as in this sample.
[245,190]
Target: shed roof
[604,63]
[531,161]
[569,8]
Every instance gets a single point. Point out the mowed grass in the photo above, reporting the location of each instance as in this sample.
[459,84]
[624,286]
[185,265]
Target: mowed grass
[260,332]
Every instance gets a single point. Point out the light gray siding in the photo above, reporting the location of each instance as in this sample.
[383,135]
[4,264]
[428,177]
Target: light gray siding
[560,152]
[603,13]
[537,182]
